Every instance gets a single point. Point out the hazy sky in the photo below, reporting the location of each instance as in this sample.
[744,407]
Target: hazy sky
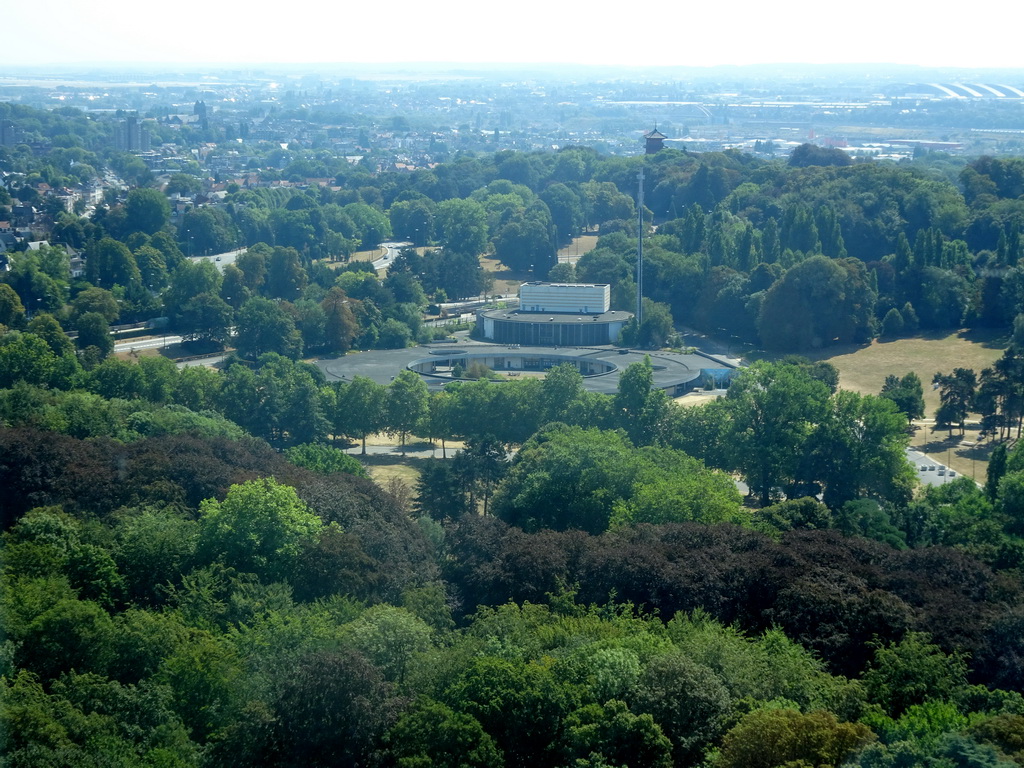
[530,31]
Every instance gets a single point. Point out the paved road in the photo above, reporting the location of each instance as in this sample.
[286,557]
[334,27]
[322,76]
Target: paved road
[160,342]
[382,365]
[391,251]
[415,450]
[220,259]
[156,342]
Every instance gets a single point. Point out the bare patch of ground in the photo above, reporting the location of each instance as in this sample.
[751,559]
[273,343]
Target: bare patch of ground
[699,397]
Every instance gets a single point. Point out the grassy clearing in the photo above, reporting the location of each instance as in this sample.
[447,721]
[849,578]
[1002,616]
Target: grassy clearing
[508,281]
[863,369]
[577,248]
[699,397]
[399,474]
[505,280]
[382,468]
[371,255]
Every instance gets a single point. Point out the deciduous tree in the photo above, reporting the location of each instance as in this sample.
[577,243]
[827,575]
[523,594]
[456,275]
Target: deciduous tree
[406,405]
[359,409]
[773,408]
[258,528]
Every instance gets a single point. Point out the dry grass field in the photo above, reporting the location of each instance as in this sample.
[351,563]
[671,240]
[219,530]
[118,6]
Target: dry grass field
[505,280]
[579,246]
[395,473]
[371,255]
[864,368]
[382,468]
[508,281]
[698,397]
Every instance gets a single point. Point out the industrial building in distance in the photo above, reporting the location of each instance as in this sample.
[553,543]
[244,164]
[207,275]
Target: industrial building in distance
[556,314]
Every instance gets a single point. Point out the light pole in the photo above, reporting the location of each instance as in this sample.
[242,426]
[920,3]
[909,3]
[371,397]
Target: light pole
[640,251]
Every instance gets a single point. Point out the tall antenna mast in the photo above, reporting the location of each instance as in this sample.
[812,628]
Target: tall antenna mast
[640,252]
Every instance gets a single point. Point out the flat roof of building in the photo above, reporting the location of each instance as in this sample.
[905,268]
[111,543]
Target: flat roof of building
[567,285]
[565,318]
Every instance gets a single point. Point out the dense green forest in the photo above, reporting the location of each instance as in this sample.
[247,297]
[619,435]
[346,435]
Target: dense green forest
[188,600]
[194,574]
[179,592]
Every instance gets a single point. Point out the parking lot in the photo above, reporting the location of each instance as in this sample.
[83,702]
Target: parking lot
[929,471]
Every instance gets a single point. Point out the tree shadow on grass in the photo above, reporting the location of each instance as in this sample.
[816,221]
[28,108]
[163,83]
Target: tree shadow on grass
[967,446]
[990,338]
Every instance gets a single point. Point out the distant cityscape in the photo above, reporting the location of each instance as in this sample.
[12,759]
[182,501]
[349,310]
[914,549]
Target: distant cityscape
[407,119]
[302,127]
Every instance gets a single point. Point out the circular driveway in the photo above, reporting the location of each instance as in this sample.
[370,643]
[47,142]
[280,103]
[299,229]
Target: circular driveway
[672,371]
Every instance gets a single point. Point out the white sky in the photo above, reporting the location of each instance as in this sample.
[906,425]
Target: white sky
[689,33]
